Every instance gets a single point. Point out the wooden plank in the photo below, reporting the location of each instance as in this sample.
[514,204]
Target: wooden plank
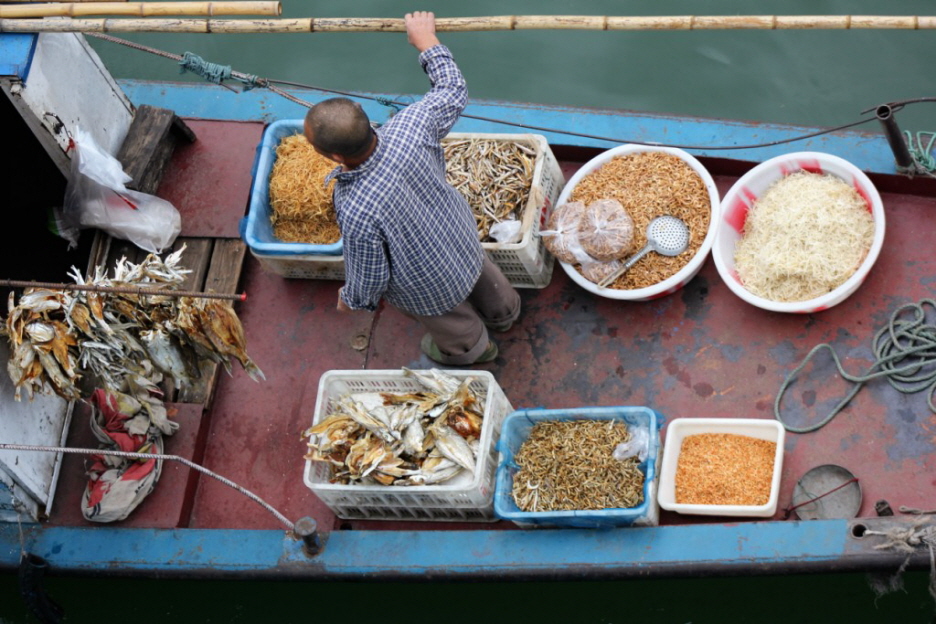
[223,276]
[196,258]
[100,248]
[150,143]
[122,249]
[227,262]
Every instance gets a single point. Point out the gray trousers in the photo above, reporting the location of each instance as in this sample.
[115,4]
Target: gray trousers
[462,332]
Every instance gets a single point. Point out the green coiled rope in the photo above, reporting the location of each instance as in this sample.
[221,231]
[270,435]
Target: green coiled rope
[905,352]
[922,156]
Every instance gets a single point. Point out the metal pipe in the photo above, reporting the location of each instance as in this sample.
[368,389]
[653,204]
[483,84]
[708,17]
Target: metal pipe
[123,290]
[905,162]
[306,529]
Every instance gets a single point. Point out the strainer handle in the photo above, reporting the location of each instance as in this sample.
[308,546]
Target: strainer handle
[627,265]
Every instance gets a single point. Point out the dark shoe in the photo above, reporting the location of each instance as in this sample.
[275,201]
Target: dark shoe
[430,348]
[500,327]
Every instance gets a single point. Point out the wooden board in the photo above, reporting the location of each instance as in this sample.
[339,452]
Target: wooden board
[222,276]
[150,143]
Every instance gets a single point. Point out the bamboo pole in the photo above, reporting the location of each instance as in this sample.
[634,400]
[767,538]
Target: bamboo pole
[465,24]
[142,9]
[45,1]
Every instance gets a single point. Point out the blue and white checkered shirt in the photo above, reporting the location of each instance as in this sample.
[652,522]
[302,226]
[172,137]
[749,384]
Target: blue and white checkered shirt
[408,235]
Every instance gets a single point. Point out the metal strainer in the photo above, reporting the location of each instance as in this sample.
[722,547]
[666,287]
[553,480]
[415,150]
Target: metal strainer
[667,235]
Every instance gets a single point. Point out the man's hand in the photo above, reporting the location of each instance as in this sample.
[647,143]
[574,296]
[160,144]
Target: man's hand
[420,30]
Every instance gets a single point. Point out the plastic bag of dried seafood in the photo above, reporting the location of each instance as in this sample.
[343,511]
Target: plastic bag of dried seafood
[561,233]
[595,271]
[97,196]
[606,231]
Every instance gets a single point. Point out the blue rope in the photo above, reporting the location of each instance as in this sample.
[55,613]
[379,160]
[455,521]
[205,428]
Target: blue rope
[215,72]
[905,351]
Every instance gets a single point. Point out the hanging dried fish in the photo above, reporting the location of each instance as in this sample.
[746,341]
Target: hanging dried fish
[64,339]
[494,176]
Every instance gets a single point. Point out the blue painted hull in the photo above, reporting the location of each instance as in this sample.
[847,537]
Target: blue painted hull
[669,551]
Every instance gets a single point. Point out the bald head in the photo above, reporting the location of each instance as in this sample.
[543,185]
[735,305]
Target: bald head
[338,126]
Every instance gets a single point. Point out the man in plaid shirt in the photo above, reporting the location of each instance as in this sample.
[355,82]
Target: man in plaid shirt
[409,236]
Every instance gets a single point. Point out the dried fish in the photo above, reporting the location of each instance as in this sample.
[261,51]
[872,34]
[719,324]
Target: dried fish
[494,176]
[59,338]
[412,438]
[453,446]
[569,465]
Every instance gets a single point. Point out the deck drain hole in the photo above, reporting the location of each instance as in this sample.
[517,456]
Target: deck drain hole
[858,530]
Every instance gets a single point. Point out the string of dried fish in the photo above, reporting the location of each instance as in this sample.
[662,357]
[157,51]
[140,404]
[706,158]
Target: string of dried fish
[569,465]
[72,342]
[411,438]
[301,207]
[494,176]
[648,185]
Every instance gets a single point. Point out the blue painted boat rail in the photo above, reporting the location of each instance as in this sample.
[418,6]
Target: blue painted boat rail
[594,554]
[868,151]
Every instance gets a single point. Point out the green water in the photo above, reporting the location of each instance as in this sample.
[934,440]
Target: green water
[807,77]
[752,600]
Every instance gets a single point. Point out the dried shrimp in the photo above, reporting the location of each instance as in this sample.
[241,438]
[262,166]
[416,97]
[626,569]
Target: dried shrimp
[648,185]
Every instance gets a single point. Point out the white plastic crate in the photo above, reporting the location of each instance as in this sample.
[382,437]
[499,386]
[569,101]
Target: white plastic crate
[527,264]
[463,498]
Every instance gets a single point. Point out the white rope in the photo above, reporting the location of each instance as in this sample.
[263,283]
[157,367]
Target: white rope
[907,540]
[190,464]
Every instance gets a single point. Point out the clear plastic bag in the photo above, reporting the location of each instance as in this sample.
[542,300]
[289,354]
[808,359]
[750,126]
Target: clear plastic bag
[506,231]
[97,196]
[606,231]
[596,271]
[638,445]
[561,233]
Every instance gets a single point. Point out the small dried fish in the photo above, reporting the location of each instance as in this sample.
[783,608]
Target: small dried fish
[494,176]
[569,465]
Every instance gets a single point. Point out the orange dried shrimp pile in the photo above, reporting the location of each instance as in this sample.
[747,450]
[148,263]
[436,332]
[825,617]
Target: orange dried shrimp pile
[301,204]
[649,185]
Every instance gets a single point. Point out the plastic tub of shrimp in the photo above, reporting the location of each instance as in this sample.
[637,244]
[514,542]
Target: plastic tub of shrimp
[643,426]
[466,497]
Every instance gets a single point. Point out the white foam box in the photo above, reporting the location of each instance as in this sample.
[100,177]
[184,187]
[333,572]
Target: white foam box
[681,428]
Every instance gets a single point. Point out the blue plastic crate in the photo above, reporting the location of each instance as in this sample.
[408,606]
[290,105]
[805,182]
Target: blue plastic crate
[258,233]
[516,429]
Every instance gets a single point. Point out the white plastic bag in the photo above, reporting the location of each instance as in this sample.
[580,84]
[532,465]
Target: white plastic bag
[96,196]
[638,445]
[507,231]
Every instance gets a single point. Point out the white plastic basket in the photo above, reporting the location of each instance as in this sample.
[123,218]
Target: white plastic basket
[463,498]
[527,264]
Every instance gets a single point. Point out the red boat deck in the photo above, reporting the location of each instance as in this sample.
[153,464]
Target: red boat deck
[698,352]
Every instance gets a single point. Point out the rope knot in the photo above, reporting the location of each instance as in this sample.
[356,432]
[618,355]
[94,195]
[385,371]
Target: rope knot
[212,72]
